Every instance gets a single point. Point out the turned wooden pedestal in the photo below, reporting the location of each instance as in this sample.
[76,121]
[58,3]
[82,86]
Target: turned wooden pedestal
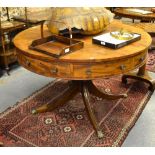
[85,88]
[84,65]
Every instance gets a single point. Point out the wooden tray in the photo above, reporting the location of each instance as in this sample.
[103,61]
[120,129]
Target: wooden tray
[56,46]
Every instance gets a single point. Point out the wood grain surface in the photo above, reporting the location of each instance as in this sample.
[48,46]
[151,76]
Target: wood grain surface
[93,61]
[123,12]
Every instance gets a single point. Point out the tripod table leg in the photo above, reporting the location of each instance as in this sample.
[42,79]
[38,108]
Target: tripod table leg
[92,88]
[142,75]
[59,100]
[86,99]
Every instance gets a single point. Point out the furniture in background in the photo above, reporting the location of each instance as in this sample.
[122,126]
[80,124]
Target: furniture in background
[7,31]
[1,73]
[13,25]
[125,12]
[146,20]
[34,16]
[149,28]
[81,67]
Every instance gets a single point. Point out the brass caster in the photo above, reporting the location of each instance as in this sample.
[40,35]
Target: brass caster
[124,80]
[151,88]
[125,95]
[100,134]
[1,144]
[34,112]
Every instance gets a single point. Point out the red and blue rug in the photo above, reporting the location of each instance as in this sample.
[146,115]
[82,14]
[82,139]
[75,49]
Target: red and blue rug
[69,125]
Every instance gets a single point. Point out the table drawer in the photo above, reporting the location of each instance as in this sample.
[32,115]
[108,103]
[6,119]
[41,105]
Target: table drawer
[52,69]
[109,68]
[139,59]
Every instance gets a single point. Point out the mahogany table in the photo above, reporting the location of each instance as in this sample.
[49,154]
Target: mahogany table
[8,55]
[123,12]
[147,24]
[81,67]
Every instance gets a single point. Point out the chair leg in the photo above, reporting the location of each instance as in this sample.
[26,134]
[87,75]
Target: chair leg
[5,57]
[142,75]
[1,73]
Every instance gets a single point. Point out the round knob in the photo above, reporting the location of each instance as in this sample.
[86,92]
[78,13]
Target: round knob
[88,72]
[54,70]
[28,63]
[141,59]
[122,67]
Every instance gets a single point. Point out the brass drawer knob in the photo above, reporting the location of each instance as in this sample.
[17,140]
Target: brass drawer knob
[54,70]
[122,67]
[27,63]
[88,72]
[141,59]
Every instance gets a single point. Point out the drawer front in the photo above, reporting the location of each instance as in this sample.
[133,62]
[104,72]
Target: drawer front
[141,58]
[45,68]
[12,58]
[82,71]
[110,68]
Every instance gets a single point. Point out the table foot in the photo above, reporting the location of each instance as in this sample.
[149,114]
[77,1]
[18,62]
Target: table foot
[86,99]
[100,134]
[1,144]
[145,78]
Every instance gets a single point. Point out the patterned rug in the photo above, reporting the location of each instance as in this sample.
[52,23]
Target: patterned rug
[151,61]
[69,125]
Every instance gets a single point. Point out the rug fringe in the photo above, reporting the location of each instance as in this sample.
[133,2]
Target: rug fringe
[133,122]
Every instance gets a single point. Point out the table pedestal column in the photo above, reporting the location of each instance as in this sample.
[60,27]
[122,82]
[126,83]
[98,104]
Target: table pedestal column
[85,88]
[141,75]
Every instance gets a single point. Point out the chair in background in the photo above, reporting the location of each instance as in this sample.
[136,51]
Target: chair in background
[34,16]
[7,50]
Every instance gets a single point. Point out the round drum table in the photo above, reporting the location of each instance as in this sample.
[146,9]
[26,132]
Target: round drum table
[149,19]
[125,12]
[82,66]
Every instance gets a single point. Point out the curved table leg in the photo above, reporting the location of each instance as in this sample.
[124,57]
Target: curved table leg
[142,75]
[93,89]
[86,99]
[59,100]
[85,88]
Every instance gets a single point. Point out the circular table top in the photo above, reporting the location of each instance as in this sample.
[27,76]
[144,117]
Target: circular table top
[124,12]
[91,52]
